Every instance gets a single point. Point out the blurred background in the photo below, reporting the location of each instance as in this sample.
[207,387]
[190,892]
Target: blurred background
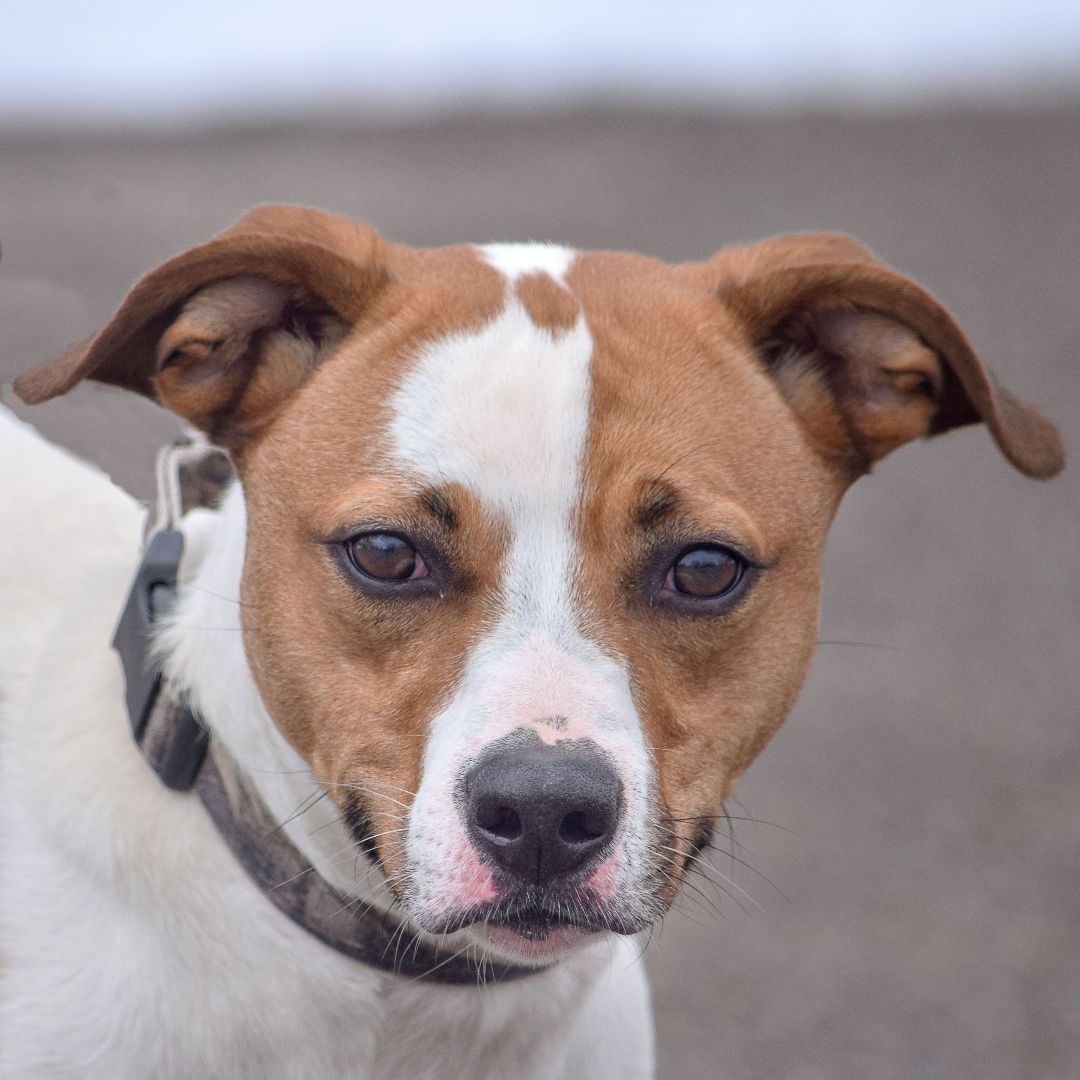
[911,906]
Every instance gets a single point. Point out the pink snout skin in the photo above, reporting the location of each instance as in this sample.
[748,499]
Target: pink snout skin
[602,881]
[471,884]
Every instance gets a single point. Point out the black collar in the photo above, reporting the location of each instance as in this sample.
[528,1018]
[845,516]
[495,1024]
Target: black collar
[178,747]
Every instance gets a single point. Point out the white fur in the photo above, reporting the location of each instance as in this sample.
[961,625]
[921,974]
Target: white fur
[505,412]
[203,650]
[131,943]
[517,260]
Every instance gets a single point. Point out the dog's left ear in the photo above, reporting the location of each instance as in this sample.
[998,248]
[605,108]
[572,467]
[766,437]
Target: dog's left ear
[868,359]
[223,333]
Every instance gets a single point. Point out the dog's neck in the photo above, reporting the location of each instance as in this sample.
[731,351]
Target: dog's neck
[202,650]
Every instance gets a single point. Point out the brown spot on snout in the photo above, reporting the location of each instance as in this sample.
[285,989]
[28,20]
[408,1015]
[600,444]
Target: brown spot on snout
[556,723]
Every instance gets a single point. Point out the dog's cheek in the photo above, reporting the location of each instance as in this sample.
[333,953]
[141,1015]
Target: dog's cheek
[712,704]
[287,654]
[353,693]
[354,718]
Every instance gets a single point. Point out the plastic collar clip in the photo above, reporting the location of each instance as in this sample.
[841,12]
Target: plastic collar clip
[152,596]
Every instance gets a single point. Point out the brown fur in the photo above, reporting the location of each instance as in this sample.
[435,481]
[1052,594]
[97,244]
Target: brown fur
[549,305]
[708,428]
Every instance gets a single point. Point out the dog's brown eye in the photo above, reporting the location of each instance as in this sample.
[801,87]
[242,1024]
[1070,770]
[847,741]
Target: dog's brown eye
[385,557]
[705,573]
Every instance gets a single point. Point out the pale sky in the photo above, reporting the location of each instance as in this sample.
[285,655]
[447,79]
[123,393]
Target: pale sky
[118,59]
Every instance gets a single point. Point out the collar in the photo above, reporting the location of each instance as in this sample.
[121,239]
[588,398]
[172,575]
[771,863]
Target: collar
[178,746]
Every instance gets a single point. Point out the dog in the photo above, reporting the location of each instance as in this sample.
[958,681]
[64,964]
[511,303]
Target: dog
[519,574]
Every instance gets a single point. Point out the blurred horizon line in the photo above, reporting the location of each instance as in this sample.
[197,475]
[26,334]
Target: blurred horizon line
[345,111]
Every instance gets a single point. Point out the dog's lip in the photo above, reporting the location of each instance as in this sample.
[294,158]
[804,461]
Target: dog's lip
[537,923]
[534,921]
[541,951]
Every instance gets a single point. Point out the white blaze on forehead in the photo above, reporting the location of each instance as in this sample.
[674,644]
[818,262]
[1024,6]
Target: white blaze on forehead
[517,260]
[505,412]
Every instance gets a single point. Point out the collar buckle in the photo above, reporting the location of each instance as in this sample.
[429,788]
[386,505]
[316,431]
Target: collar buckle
[190,473]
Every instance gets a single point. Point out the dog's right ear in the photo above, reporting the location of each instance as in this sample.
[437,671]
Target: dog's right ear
[866,358]
[225,332]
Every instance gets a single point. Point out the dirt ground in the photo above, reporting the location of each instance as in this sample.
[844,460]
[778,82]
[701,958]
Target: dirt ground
[915,894]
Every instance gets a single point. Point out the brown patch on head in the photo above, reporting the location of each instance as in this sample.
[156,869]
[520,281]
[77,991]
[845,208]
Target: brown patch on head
[732,403]
[549,305]
[225,333]
[353,674]
[691,443]
[353,678]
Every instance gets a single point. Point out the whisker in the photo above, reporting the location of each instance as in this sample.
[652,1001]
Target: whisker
[699,895]
[701,864]
[304,807]
[364,789]
[862,645]
[388,785]
[705,868]
[442,963]
[689,884]
[733,817]
[220,596]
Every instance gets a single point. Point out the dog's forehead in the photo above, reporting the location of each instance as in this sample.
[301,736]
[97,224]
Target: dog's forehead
[592,367]
[527,374]
[503,409]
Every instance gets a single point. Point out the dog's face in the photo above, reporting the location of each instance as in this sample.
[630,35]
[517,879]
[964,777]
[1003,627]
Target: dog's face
[533,536]
[528,545]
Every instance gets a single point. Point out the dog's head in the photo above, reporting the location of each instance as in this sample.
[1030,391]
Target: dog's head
[534,536]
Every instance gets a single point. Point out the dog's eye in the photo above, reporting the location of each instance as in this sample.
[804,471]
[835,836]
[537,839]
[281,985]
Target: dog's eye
[705,573]
[385,557]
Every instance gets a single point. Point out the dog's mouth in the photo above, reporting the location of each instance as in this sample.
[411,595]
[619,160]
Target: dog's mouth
[537,923]
[535,932]
[535,915]
[530,921]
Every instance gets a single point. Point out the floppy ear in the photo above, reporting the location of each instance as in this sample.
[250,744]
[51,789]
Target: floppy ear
[867,358]
[223,333]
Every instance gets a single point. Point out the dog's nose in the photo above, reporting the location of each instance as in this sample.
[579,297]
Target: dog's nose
[541,812]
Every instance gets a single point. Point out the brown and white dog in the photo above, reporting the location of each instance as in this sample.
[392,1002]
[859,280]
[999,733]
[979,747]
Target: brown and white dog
[523,566]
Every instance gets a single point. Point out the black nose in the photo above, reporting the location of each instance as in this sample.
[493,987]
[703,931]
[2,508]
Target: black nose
[541,812]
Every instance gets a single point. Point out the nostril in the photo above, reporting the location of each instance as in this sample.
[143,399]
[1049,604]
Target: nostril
[502,823]
[582,827]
